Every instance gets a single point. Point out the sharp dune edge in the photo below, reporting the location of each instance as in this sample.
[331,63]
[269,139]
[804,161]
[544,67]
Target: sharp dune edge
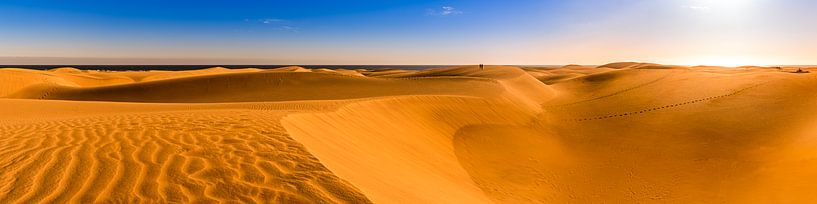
[617,133]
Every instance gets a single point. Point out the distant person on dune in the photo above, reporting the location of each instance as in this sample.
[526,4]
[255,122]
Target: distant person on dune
[800,71]
[481,67]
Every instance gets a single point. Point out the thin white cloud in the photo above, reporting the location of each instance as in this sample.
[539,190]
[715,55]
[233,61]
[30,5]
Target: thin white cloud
[277,24]
[271,20]
[444,11]
[447,10]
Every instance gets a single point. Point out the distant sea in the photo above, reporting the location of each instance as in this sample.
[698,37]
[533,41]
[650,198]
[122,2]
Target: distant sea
[194,67]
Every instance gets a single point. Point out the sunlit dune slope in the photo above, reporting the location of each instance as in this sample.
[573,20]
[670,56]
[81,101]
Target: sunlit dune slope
[618,133]
[416,137]
[13,80]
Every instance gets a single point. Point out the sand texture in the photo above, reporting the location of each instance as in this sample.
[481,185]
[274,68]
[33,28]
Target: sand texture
[617,133]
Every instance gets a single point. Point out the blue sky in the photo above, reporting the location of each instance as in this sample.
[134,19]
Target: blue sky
[721,32]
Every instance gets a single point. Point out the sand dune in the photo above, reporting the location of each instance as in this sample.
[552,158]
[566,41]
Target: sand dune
[262,86]
[618,133]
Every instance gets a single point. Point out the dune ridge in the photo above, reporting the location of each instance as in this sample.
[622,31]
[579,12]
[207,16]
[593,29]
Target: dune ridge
[623,132]
[401,153]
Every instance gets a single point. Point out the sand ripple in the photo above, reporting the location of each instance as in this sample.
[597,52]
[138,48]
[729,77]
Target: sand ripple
[205,156]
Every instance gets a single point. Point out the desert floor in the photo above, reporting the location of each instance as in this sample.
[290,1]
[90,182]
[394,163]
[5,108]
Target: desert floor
[618,133]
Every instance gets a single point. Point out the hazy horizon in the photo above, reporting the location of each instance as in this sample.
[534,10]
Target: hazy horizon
[56,61]
[526,32]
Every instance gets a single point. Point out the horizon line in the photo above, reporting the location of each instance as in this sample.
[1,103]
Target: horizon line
[214,61]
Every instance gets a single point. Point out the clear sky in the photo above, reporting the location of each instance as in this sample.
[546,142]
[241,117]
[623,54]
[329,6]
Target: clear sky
[690,32]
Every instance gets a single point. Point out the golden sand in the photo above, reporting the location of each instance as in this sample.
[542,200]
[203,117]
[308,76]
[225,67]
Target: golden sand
[618,133]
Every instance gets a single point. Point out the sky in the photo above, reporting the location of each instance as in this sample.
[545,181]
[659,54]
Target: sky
[518,32]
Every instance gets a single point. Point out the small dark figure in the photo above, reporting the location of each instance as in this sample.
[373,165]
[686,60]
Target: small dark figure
[801,71]
[481,67]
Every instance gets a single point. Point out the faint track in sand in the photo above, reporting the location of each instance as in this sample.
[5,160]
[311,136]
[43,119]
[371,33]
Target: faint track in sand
[616,93]
[609,116]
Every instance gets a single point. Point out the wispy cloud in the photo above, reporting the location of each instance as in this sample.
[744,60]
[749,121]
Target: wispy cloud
[447,10]
[444,11]
[277,23]
[272,20]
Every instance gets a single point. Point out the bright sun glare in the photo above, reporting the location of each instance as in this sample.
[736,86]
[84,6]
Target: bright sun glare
[726,62]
